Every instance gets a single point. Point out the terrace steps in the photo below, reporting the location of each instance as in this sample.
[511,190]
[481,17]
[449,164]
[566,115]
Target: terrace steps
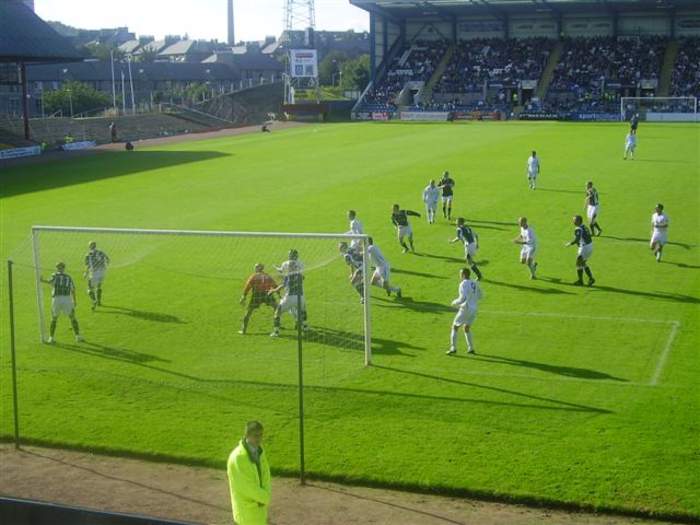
[427,94]
[666,75]
[548,72]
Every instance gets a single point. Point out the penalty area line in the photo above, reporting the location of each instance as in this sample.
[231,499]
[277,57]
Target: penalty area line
[675,325]
[585,317]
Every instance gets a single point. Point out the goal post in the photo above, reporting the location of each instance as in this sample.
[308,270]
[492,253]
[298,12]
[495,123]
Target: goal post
[206,254]
[660,109]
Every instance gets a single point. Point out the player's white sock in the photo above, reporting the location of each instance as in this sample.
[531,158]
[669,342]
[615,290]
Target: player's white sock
[453,338]
[470,342]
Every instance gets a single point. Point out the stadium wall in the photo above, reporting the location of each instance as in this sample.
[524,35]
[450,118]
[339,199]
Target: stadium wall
[388,31]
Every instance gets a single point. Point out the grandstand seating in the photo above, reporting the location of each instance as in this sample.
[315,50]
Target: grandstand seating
[53,131]
[250,106]
[686,73]
[416,62]
[590,75]
[494,62]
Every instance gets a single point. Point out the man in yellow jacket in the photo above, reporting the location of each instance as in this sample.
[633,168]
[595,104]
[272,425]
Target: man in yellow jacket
[249,478]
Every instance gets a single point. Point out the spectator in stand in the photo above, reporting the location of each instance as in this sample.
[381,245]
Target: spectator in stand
[686,73]
[113,131]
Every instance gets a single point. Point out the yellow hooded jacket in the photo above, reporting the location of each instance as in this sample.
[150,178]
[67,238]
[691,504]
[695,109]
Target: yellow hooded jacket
[250,486]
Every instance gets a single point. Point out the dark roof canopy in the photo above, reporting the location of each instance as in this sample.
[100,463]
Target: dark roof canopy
[24,37]
[441,8]
[95,71]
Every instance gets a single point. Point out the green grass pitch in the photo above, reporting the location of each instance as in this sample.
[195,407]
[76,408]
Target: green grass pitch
[578,396]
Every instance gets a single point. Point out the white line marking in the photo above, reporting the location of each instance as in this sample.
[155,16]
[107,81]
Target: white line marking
[664,355]
[587,317]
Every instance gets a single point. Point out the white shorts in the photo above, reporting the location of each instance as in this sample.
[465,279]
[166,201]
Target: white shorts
[432,205]
[532,175]
[290,302]
[585,251]
[470,249]
[405,231]
[97,277]
[528,252]
[592,211]
[62,304]
[464,316]
[382,273]
[659,237]
[447,199]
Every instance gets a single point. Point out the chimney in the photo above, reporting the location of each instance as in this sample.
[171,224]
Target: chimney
[231,35]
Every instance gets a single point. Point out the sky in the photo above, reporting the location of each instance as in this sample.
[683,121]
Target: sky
[205,19]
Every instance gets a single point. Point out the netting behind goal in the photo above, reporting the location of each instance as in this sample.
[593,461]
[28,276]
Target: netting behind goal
[659,109]
[162,368]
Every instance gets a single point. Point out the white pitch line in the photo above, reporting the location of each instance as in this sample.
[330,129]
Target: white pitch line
[664,355]
[586,317]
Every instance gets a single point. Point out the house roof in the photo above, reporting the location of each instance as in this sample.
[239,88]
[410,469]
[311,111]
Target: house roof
[130,46]
[154,46]
[26,37]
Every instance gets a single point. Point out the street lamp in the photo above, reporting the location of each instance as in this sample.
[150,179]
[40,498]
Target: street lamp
[70,100]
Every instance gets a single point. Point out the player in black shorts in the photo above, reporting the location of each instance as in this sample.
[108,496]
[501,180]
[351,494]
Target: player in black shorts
[446,184]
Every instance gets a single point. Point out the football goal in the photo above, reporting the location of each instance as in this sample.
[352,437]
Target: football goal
[660,109]
[202,275]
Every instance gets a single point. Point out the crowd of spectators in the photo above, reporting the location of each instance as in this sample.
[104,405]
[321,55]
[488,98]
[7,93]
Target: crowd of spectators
[686,74]
[416,63]
[493,61]
[587,65]
[590,76]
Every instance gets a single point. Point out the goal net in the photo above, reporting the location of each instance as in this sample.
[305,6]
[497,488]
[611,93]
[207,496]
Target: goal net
[199,278]
[162,368]
[659,109]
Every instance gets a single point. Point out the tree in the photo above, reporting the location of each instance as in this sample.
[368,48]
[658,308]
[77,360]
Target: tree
[356,74]
[330,67]
[75,97]
[147,55]
[103,52]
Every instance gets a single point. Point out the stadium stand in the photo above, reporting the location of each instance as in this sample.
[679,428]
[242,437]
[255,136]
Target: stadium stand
[415,63]
[53,131]
[593,72]
[686,73]
[577,64]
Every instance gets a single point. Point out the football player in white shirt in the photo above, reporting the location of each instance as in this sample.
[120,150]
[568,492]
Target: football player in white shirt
[630,145]
[659,231]
[468,304]
[533,170]
[355,227]
[431,196]
[528,240]
[382,270]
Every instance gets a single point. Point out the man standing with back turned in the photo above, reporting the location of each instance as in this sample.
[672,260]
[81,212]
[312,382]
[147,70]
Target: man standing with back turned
[249,478]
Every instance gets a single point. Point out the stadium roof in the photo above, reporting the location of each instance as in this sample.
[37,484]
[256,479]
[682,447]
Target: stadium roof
[24,37]
[442,8]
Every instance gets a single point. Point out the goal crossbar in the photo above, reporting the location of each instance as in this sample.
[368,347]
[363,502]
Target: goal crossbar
[363,238]
[625,100]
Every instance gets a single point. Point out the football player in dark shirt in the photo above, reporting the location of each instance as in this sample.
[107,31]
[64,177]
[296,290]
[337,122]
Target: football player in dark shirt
[471,244]
[592,208]
[62,300]
[353,258]
[446,184]
[399,218]
[584,241]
